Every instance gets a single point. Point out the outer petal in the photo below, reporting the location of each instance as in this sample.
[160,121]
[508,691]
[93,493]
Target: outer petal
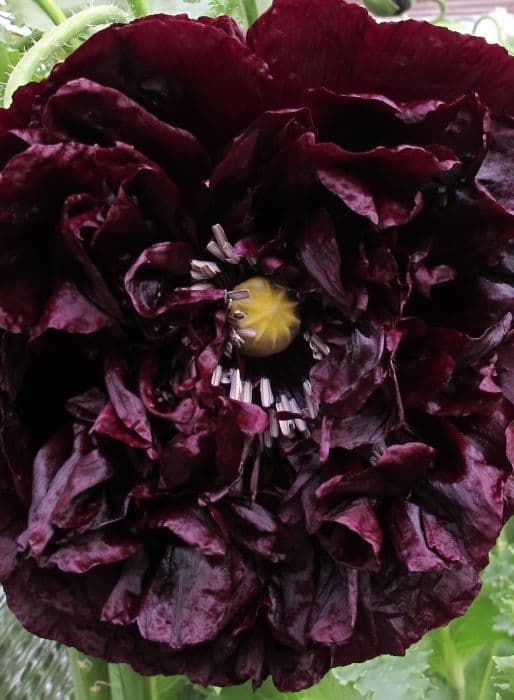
[405,61]
[187,73]
[85,111]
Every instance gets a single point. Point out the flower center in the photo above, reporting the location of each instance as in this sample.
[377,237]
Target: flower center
[267,317]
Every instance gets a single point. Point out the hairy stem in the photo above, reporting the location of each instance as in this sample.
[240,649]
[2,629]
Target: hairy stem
[66,31]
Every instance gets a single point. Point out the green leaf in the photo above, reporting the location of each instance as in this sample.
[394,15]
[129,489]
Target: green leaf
[467,635]
[499,585]
[390,677]
[481,672]
[504,675]
[28,13]
[329,688]
[168,687]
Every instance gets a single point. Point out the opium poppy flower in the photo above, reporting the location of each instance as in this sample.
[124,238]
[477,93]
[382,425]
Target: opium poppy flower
[257,357]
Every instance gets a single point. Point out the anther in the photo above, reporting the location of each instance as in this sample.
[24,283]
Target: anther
[319,345]
[246,394]
[300,424]
[247,332]
[214,249]
[235,385]
[286,426]
[310,406]
[226,376]
[224,244]
[238,295]
[267,397]
[216,376]
[273,423]
[200,286]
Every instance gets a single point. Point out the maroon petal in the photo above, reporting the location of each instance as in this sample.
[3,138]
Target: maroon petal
[349,377]
[122,606]
[128,407]
[390,59]
[85,111]
[192,525]
[356,538]
[187,73]
[408,538]
[384,185]
[361,122]
[152,282]
[187,599]
[495,174]
[67,310]
[62,470]
[93,550]
[186,457]
[334,612]
[320,255]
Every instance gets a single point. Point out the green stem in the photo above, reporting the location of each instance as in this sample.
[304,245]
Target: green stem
[486,680]
[250,10]
[442,11]
[485,18]
[52,10]
[71,27]
[139,7]
[454,667]
[90,677]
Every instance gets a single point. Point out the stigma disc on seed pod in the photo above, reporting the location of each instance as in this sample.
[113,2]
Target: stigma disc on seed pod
[267,318]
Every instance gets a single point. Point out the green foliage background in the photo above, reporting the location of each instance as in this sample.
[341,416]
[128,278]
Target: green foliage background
[470,659]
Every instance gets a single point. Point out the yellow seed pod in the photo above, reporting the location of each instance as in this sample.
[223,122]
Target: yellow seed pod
[270,312]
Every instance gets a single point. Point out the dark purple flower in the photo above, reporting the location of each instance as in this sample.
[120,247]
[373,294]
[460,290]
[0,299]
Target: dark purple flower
[257,349]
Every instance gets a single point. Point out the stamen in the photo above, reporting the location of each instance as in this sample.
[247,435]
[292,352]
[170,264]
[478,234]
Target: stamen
[286,426]
[247,332]
[317,343]
[229,348]
[238,295]
[236,339]
[310,405]
[201,286]
[300,424]
[213,249]
[268,440]
[273,423]
[235,385]
[217,375]
[246,394]
[226,376]
[267,397]
[224,244]
[204,269]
